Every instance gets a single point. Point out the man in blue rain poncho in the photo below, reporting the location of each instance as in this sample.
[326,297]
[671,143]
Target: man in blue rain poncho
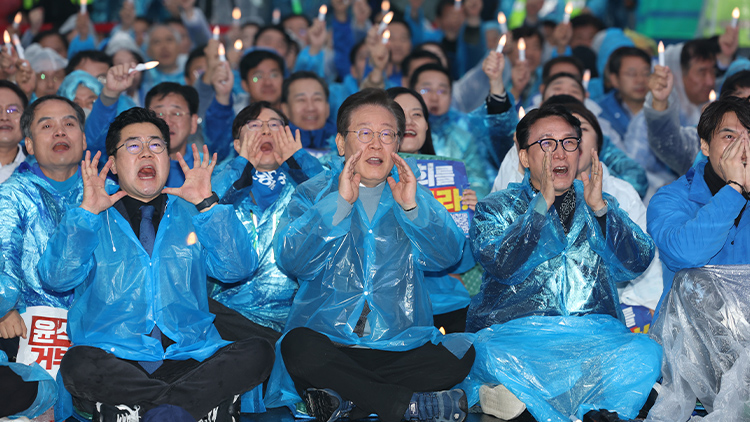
[358,239]
[32,203]
[270,165]
[553,248]
[140,324]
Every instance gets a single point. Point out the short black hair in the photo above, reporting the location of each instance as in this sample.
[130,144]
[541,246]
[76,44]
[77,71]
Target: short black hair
[614,63]
[421,47]
[587,19]
[398,18]
[165,88]
[353,52]
[577,107]
[288,17]
[129,117]
[18,91]
[27,118]
[523,128]
[426,68]
[195,54]
[93,55]
[562,59]
[394,92]
[714,113]
[560,75]
[252,112]
[701,49]
[300,75]
[50,33]
[417,54]
[738,80]
[369,97]
[254,58]
[442,4]
[287,38]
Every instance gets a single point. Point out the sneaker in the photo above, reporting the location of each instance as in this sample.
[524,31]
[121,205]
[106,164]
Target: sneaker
[438,406]
[499,402]
[326,405]
[116,413]
[226,411]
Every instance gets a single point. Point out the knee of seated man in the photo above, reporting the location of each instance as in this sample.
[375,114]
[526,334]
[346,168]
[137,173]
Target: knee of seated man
[299,345]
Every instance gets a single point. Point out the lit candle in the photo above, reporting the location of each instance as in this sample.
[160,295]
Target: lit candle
[238,45]
[19,47]
[442,330]
[385,22]
[385,6]
[501,44]
[735,17]
[236,15]
[17,21]
[521,113]
[140,67]
[276,18]
[521,50]
[222,53]
[386,36]
[502,21]
[712,96]
[322,12]
[216,32]
[586,79]
[457,5]
[568,11]
[662,62]
[83,6]
[6,39]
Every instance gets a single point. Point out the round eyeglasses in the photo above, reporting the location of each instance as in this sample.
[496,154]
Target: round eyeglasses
[256,125]
[366,135]
[135,146]
[550,144]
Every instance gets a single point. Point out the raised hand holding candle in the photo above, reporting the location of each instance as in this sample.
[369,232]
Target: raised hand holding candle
[521,50]
[660,49]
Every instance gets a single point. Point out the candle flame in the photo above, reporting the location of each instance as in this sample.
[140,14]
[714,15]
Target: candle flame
[238,45]
[586,75]
[151,65]
[387,34]
[736,13]
[568,8]
[388,18]
[236,13]
[17,19]
[442,330]
[222,51]
[323,9]
[192,238]
[712,95]
[521,112]
[216,31]
[660,49]
[502,41]
[385,5]
[501,18]
[521,44]
[6,37]
[84,2]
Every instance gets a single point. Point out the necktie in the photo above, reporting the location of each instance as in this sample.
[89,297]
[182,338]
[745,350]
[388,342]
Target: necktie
[147,236]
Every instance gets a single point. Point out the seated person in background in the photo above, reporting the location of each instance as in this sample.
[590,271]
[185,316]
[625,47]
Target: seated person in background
[304,98]
[12,104]
[629,70]
[700,219]
[553,249]
[154,339]
[358,240]
[270,165]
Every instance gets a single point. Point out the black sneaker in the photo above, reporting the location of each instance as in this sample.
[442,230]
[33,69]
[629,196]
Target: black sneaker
[116,413]
[226,411]
[438,406]
[326,405]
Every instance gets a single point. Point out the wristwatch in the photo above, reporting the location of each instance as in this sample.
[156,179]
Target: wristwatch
[214,198]
[601,212]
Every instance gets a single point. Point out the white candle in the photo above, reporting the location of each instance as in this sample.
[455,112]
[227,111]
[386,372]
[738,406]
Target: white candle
[140,67]
[276,19]
[662,62]
[216,32]
[385,22]
[586,79]
[83,6]
[457,5]
[521,50]
[17,21]
[501,44]
[6,40]
[322,12]
[501,20]
[386,36]
[222,53]
[735,17]
[19,47]
[568,11]
[236,15]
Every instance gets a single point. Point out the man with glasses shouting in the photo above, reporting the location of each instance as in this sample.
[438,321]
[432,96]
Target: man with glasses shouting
[553,249]
[358,238]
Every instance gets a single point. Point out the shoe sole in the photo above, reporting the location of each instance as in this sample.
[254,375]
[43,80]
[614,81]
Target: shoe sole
[320,403]
[499,402]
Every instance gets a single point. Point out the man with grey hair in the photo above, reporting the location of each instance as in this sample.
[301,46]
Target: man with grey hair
[163,45]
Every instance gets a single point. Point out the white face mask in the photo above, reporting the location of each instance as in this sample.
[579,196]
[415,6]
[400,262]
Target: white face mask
[87,112]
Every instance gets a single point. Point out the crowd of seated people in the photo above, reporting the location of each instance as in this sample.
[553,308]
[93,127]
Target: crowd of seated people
[228,211]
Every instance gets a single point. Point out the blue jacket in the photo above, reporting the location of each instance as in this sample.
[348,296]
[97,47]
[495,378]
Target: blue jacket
[692,228]
[122,292]
[533,268]
[615,113]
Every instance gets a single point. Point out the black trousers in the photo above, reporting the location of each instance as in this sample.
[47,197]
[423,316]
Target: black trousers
[93,375]
[233,326]
[16,395]
[376,381]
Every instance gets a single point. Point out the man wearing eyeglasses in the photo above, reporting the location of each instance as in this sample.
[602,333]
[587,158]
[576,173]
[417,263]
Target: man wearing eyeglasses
[358,238]
[138,258]
[553,249]
[12,103]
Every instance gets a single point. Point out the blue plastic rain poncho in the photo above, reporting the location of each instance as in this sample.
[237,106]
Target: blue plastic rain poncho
[30,209]
[552,298]
[46,393]
[122,292]
[356,262]
[267,295]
